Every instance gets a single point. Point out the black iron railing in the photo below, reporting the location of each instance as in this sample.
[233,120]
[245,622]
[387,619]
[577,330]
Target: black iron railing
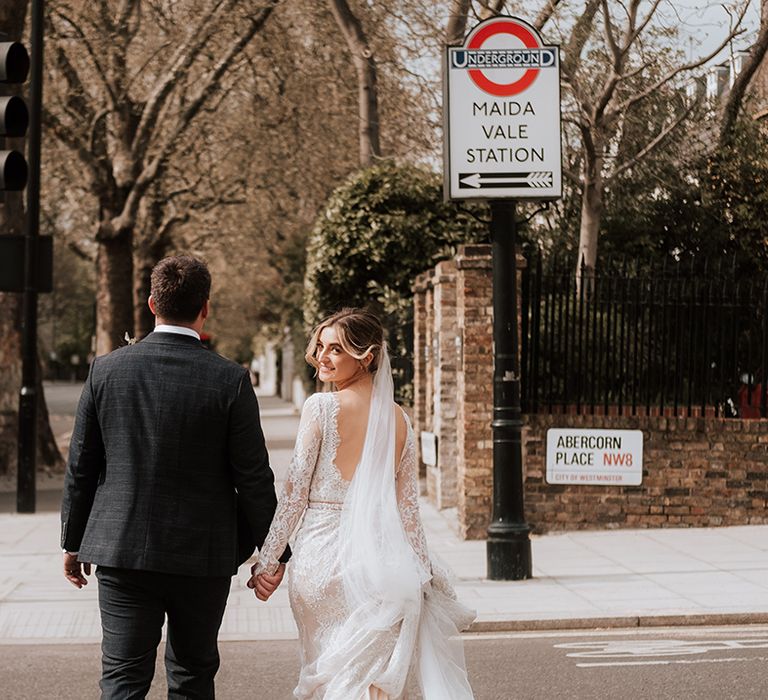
[677,341]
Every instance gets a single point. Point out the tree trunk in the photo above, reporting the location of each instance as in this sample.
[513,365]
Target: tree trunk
[365,66]
[114,295]
[591,216]
[144,260]
[143,320]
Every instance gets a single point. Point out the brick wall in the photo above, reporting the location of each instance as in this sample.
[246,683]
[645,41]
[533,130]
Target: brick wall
[696,472]
[474,321]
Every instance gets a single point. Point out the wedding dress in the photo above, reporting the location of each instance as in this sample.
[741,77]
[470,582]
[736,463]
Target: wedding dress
[368,603]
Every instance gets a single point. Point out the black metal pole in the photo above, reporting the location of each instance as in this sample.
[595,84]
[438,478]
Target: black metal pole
[508,547]
[25,490]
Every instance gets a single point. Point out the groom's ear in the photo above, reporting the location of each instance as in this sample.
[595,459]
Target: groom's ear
[151,304]
[206,309]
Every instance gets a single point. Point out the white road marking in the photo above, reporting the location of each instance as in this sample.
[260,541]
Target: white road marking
[672,661]
[658,647]
[692,631]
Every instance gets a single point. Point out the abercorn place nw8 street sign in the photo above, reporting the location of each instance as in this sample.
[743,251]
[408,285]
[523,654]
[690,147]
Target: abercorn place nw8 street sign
[502,114]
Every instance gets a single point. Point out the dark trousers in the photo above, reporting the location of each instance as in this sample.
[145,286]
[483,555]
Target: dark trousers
[133,607]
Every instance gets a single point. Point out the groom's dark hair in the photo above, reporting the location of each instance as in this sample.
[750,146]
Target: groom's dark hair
[181,285]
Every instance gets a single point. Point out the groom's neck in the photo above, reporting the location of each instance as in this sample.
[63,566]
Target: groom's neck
[196,325]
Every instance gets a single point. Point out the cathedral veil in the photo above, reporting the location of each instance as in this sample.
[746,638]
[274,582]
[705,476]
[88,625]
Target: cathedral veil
[386,585]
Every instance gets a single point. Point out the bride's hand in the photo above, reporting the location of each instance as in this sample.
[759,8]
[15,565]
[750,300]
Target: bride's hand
[265,585]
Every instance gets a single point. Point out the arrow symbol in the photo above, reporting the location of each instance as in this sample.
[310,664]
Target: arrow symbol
[534,180]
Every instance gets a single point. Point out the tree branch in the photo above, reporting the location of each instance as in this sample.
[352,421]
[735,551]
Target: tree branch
[692,65]
[92,53]
[657,141]
[180,64]
[208,87]
[544,15]
[457,22]
[579,36]
[69,138]
[81,252]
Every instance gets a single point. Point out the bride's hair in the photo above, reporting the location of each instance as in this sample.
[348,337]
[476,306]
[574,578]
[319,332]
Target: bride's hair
[360,332]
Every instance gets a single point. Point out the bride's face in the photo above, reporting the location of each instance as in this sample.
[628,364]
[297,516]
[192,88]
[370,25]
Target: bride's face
[336,365]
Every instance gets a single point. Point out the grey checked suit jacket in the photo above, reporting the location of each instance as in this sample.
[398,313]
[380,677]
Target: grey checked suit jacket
[167,443]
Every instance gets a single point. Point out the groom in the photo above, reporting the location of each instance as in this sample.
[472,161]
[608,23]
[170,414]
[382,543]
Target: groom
[167,457]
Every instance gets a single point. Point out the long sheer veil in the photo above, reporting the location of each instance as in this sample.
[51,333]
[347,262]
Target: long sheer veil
[385,583]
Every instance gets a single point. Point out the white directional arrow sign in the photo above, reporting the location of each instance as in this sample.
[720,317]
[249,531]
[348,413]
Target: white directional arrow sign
[534,180]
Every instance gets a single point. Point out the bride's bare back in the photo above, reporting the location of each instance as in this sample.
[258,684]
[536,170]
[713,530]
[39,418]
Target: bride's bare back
[352,423]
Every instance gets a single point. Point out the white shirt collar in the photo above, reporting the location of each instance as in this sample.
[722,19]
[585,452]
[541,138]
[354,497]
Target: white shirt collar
[181,330]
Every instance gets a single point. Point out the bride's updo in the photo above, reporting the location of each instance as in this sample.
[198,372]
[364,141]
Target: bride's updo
[360,332]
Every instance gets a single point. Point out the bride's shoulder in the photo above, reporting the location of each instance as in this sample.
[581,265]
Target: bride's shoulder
[314,403]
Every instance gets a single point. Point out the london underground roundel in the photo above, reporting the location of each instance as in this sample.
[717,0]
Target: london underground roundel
[482,34]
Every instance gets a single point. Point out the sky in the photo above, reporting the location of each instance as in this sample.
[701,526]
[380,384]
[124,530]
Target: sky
[706,23]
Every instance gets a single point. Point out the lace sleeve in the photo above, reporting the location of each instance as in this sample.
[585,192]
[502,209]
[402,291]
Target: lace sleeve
[408,500]
[295,493]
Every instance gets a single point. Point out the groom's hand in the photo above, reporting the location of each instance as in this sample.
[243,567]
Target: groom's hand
[74,570]
[265,585]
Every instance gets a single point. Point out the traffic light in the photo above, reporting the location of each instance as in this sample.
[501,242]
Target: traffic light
[14,116]
[14,173]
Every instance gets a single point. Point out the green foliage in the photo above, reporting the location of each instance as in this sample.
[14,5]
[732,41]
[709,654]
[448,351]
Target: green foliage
[379,230]
[736,195]
[701,205]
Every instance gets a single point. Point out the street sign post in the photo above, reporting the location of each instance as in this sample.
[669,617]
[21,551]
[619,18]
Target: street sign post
[502,143]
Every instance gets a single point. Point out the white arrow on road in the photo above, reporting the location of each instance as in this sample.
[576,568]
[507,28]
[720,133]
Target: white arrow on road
[534,179]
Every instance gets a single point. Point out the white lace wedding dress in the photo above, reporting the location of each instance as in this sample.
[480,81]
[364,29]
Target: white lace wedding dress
[345,651]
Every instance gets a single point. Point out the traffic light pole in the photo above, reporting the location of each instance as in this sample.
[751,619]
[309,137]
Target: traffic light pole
[508,546]
[28,399]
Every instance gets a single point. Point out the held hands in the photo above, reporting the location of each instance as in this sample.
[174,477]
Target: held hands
[265,585]
[74,570]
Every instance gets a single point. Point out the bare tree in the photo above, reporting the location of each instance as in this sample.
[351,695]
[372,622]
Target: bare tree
[125,99]
[631,76]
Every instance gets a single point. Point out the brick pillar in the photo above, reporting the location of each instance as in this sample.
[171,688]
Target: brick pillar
[474,318]
[474,315]
[443,477]
[420,349]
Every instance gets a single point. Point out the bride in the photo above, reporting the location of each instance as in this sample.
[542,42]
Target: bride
[368,603]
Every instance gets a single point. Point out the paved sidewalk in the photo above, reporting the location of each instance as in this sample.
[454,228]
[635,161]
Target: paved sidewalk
[619,578]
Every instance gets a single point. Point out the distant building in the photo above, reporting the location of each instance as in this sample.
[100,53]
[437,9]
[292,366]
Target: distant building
[720,79]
